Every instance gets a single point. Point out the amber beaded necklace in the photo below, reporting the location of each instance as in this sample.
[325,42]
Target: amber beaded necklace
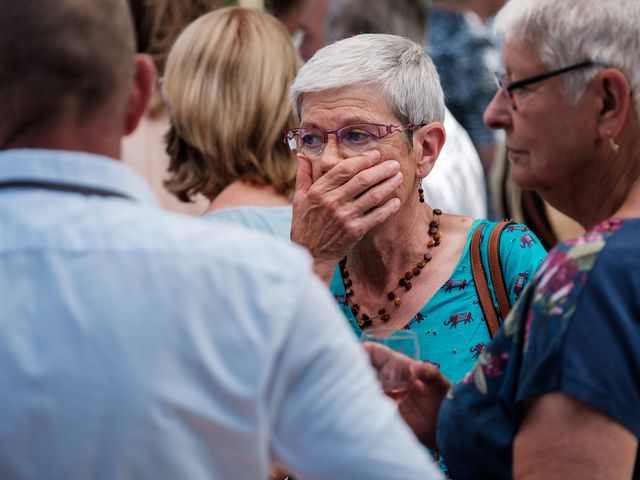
[366,320]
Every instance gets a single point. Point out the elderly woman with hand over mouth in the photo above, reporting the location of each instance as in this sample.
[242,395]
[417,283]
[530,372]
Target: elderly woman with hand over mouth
[370,109]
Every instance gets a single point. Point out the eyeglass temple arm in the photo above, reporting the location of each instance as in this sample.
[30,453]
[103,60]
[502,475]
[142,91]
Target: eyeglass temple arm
[544,76]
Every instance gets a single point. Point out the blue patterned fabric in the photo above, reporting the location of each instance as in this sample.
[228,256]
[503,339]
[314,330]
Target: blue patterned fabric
[466,56]
[575,330]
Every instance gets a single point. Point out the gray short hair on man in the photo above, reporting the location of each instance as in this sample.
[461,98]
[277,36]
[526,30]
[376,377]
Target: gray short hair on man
[565,32]
[397,66]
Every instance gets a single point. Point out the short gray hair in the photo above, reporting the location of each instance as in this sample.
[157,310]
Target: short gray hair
[398,67]
[569,31]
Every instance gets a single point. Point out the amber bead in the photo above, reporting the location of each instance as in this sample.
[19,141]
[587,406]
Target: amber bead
[422,264]
[416,271]
[408,275]
[437,235]
[397,301]
[431,243]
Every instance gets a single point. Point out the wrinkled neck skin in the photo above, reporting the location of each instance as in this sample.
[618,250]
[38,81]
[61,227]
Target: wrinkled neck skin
[389,250]
[608,187]
[246,194]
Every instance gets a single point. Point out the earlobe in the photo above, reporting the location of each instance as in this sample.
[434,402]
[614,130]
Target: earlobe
[145,76]
[428,140]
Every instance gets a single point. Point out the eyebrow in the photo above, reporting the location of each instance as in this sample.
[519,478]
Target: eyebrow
[348,121]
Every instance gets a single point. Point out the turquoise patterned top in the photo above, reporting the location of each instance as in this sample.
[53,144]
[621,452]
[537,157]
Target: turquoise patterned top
[451,327]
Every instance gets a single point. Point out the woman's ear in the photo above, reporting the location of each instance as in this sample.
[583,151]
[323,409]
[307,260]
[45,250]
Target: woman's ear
[428,141]
[615,100]
[141,92]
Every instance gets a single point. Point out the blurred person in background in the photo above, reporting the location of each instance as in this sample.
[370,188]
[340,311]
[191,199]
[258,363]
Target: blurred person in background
[158,23]
[466,55]
[226,85]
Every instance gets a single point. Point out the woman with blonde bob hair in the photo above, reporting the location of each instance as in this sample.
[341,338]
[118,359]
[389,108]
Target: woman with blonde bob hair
[226,85]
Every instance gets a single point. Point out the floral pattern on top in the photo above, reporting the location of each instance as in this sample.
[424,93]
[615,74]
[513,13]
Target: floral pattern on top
[527,357]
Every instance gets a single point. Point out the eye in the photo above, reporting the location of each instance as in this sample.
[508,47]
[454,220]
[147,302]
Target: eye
[357,135]
[311,139]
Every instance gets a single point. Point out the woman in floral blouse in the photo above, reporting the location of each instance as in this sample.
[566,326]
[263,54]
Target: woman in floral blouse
[556,395]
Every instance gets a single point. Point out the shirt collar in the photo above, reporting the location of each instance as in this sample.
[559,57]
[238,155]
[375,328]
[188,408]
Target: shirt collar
[75,168]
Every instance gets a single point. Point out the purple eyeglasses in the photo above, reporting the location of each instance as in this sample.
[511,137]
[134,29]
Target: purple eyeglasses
[358,137]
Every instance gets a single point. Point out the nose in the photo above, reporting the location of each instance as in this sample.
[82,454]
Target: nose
[331,155]
[498,113]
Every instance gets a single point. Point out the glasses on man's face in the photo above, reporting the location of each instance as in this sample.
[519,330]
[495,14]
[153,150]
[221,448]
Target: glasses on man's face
[509,87]
[357,138]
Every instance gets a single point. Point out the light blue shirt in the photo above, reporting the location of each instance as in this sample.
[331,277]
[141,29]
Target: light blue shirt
[135,343]
[273,220]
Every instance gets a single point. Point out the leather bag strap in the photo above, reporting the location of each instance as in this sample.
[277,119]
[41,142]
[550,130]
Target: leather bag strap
[495,269]
[480,281]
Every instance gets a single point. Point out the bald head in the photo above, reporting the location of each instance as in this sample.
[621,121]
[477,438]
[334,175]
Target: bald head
[62,54]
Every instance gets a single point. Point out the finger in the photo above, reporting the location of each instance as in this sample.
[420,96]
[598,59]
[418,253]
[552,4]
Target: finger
[372,176]
[376,216]
[378,354]
[304,178]
[346,169]
[431,377]
[377,183]
[377,195]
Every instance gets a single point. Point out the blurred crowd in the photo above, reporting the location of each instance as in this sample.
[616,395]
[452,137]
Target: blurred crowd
[319,239]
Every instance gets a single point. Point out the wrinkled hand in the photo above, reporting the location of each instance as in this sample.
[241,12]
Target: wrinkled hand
[421,406]
[331,215]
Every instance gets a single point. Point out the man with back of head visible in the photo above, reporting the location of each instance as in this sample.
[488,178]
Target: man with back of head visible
[136,343]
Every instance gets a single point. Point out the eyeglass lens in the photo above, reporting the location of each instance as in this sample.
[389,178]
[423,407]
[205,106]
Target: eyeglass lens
[358,138]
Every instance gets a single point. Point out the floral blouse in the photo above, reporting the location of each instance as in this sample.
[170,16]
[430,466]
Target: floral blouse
[576,330]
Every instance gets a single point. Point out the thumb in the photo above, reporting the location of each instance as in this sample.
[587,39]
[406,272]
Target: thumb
[431,377]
